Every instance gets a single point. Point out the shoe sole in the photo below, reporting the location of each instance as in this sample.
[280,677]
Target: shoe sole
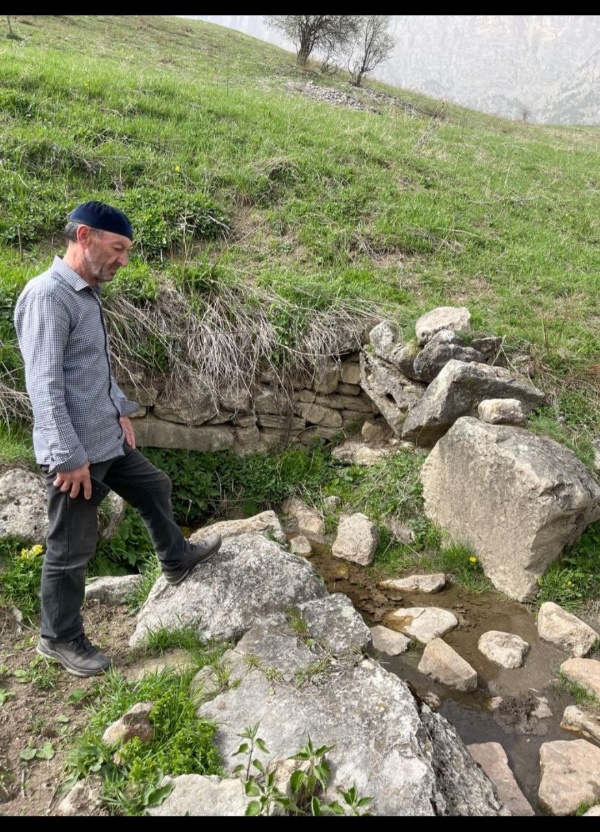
[74,671]
[208,556]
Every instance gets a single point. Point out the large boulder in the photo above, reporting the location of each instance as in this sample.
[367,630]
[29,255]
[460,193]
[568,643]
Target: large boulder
[311,684]
[516,498]
[250,576]
[457,391]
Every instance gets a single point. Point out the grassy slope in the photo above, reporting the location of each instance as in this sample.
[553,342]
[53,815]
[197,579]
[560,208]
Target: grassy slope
[419,204]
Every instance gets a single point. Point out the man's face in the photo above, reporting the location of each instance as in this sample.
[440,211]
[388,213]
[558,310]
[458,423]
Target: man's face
[104,254]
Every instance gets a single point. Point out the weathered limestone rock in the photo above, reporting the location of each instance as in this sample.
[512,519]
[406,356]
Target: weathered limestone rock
[517,498]
[436,353]
[301,545]
[360,404]
[393,393]
[494,761]
[223,597]
[357,539]
[442,663]
[416,583]
[110,515]
[402,532]
[198,795]
[405,758]
[570,775]
[84,799]
[303,519]
[384,338]
[133,723]
[23,506]
[353,452]
[505,649]
[502,412]
[373,431]
[157,433]
[314,414]
[585,673]
[457,391]
[565,630]
[575,719]
[270,400]
[422,623]
[456,318]
[266,523]
[174,407]
[327,377]
[490,346]
[350,372]
[596,446]
[389,641]
[112,589]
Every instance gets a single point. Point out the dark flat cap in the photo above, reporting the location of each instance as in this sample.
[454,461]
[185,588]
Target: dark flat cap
[102,216]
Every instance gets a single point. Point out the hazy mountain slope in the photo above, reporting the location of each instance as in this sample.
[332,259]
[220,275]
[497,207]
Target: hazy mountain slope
[532,67]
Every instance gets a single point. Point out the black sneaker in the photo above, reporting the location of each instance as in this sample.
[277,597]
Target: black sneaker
[78,656]
[199,553]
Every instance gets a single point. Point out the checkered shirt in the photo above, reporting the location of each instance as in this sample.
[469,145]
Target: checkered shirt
[76,402]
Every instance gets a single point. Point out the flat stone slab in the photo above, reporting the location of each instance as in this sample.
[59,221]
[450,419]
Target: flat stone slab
[422,623]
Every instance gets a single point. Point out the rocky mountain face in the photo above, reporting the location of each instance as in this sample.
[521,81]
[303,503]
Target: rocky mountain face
[538,68]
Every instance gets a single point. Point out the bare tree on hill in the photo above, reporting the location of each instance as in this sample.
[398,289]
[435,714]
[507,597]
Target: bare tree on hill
[310,33]
[373,44]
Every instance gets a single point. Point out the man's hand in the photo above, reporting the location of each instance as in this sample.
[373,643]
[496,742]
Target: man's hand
[128,430]
[72,481]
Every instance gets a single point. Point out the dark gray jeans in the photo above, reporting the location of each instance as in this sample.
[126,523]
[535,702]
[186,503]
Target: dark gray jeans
[73,534]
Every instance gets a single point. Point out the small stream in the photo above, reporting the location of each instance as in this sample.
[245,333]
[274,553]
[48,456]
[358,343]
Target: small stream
[514,723]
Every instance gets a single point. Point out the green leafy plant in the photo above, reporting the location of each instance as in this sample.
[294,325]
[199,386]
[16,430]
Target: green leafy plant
[21,576]
[573,580]
[303,793]
[183,743]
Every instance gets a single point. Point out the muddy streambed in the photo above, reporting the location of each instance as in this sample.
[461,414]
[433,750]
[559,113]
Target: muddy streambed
[514,723]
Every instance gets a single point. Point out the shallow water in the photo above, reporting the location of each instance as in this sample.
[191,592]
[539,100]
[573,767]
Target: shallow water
[512,724]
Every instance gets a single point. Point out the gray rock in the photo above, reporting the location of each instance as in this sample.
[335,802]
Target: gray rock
[456,318]
[445,665]
[422,623]
[457,391]
[505,649]
[222,598]
[570,775]
[441,348]
[357,539]
[112,589]
[517,498]
[566,630]
[494,761]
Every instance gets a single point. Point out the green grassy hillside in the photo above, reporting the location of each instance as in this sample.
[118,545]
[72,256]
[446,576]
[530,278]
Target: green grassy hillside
[278,209]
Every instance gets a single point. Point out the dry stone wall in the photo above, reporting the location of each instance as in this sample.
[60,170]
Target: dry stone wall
[332,403]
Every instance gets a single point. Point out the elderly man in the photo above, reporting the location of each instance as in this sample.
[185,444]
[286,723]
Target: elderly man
[82,435]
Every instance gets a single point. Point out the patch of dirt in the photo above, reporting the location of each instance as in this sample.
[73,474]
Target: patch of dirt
[44,707]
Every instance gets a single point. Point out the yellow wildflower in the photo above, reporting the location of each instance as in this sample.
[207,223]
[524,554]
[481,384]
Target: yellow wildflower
[177,169]
[32,553]
[472,560]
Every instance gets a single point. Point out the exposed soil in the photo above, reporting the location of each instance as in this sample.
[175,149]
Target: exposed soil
[45,705]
